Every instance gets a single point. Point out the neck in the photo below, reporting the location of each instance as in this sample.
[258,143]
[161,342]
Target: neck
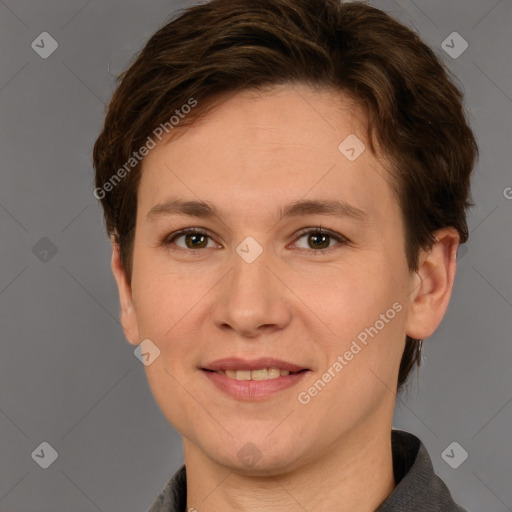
[355,476]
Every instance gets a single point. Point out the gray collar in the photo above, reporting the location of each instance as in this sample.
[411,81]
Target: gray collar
[418,488]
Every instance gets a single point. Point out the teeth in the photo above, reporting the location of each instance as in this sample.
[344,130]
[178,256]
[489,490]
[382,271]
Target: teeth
[260,374]
[263,374]
[243,375]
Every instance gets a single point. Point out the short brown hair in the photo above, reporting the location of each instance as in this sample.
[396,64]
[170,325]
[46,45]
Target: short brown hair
[414,110]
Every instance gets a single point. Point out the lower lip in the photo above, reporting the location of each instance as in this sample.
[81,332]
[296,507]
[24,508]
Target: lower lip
[253,389]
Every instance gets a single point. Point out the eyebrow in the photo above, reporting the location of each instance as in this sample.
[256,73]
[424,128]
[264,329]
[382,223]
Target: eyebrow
[202,209]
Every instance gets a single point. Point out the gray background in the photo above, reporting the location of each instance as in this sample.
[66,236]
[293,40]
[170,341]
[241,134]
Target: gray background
[67,375]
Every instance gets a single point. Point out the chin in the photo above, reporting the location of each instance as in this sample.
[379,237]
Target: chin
[258,458]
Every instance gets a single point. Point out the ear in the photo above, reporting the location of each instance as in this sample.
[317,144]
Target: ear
[432,285]
[128,314]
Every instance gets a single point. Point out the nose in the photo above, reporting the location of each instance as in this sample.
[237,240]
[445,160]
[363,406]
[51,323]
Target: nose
[252,298]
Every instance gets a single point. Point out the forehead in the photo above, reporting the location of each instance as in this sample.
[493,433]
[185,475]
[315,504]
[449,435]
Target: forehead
[280,115]
[258,148]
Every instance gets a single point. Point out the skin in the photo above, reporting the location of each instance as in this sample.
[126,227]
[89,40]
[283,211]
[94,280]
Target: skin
[257,152]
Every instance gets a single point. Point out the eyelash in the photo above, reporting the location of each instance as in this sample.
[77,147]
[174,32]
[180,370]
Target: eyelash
[318,230]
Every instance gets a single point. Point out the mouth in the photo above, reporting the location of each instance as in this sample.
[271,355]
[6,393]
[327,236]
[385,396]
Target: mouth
[253,369]
[259,374]
[255,379]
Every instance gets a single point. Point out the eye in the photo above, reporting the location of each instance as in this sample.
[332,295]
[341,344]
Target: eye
[318,239]
[194,238]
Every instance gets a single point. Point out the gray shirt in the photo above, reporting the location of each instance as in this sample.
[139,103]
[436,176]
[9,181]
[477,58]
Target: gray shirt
[418,488]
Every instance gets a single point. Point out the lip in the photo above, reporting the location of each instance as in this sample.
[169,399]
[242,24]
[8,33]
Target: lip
[236,363]
[252,390]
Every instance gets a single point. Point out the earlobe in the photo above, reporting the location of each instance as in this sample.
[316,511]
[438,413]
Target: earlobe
[128,314]
[432,285]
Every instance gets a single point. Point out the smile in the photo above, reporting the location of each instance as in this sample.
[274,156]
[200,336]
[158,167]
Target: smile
[261,374]
[253,385]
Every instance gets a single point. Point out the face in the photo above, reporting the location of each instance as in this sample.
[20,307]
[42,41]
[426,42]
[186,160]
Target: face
[258,280]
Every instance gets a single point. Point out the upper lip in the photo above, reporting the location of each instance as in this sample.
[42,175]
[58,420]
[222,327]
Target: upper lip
[235,363]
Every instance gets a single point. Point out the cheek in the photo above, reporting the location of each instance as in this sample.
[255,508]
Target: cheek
[162,298]
[348,298]
[362,315]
